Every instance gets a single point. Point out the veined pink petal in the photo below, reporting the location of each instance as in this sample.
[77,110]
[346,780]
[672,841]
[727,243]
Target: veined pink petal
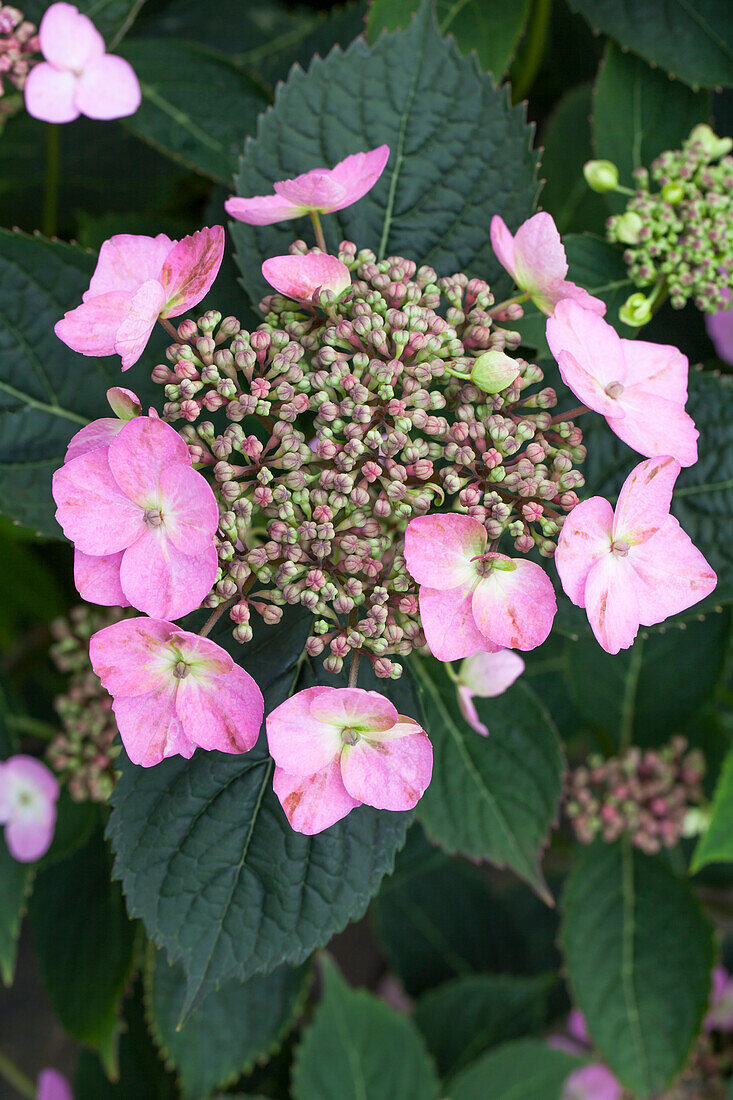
[68,39]
[653,425]
[539,256]
[594,344]
[671,574]
[299,277]
[191,268]
[314,802]
[502,243]
[358,173]
[52,1086]
[126,261]
[656,368]
[468,710]
[91,509]
[50,94]
[448,623]
[389,774]
[189,508]
[490,674]
[162,581]
[134,331]
[299,743]
[108,88]
[314,190]
[587,388]
[204,657]
[134,656]
[439,549]
[262,209]
[97,579]
[142,450]
[99,433]
[514,609]
[222,711]
[548,297]
[149,727]
[354,708]
[644,500]
[92,327]
[593,1082]
[611,603]
[585,538]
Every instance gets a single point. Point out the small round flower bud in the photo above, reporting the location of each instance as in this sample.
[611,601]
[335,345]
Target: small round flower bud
[494,371]
[601,175]
[635,311]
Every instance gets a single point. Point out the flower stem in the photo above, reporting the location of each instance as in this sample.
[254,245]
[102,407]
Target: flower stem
[217,613]
[354,670]
[570,414]
[16,1078]
[516,300]
[318,230]
[532,50]
[170,329]
[51,180]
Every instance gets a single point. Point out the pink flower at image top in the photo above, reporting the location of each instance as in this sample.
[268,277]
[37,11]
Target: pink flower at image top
[77,77]
[471,599]
[141,519]
[634,566]
[174,691]
[640,388]
[299,277]
[53,1086]
[28,795]
[536,260]
[336,748]
[137,281]
[484,676]
[320,191]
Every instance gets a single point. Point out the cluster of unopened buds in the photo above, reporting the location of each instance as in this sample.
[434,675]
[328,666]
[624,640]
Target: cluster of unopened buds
[18,45]
[643,794]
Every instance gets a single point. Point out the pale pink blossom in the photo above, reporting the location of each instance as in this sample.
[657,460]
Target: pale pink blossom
[485,675]
[320,191]
[53,1086]
[28,795]
[299,277]
[593,1082]
[142,521]
[720,330]
[640,388]
[77,77]
[471,599]
[137,281]
[635,566]
[336,748]
[720,1013]
[174,692]
[536,260]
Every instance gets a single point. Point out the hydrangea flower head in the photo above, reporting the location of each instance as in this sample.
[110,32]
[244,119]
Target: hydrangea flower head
[28,795]
[299,277]
[320,191]
[485,675]
[53,1086]
[634,566]
[640,388]
[336,748]
[536,260]
[138,280]
[174,691]
[142,521]
[471,600]
[77,77]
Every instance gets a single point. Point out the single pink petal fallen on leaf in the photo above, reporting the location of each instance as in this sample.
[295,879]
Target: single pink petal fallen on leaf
[97,579]
[313,802]
[50,94]
[299,277]
[190,269]
[440,548]
[28,795]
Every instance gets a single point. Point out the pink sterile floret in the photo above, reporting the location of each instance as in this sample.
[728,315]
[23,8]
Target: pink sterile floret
[335,748]
[536,260]
[77,77]
[594,1082]
[28,796]
[53,1086]
[100,433]
[635,566]
[138,280]
[142,521]
[174,691]
[720,330]
[322,190]
[720,1013]
[640,388]
[471,600]
[299,277]
[486,675]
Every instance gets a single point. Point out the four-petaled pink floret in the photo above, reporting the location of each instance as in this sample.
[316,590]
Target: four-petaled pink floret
[28,795]
[485,675]
[299,277]
[320,191]
[77,77]
[635,566]
[471,599]
[174,692]
[138,280]
[335,748]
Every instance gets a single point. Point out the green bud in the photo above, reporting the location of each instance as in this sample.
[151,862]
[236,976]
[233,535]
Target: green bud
[635,311]
[713,146]
[494,371]
[627,227]
[601,175]
[673,193]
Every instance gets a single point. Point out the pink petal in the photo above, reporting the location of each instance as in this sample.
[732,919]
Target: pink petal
[594,344]
[594,1082]
[585,538]
[69,39]
[515,609]
[671,574]
[299,277]
[126,261]
[586,388]
[189,508]
[656,368]
[539,256]
[389,774]
[92,511]
[502,243]
[720,331]
[578,1028]
[204,656]
[191,268]
[52,1086]
[134,331]
[262,209]
[490,674]
[611,603]
[448,623]
[223,711]
[315,190]
[108,88]
[50,94]
[28,794]
[149,727]
[357,174]
[298,742]
[99,433]
[21,772]
[97,579]
[653,425]
[124,403]
[354,708]
[554,293]
[28,840]
[468,710]
[314,802]
[92,327]
[142,450]
[134,656]
[644,500]
[162,581]
[439,549]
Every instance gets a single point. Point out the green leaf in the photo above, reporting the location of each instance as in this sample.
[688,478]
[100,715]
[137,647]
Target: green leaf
[491,797]
[691,41]
[625,915]
[489,27]
[75,822]
[113,18]
[84,943]
[524,1070]
[716,844]
[462,1019]
[208,1051]
[459,153]
[197,104]
[357,1047]
[16,880]
[567,142]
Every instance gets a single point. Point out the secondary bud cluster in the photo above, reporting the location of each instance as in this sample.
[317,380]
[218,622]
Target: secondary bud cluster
[682,233]
[334,424]
[643,794]
[18,42]
[84,752]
